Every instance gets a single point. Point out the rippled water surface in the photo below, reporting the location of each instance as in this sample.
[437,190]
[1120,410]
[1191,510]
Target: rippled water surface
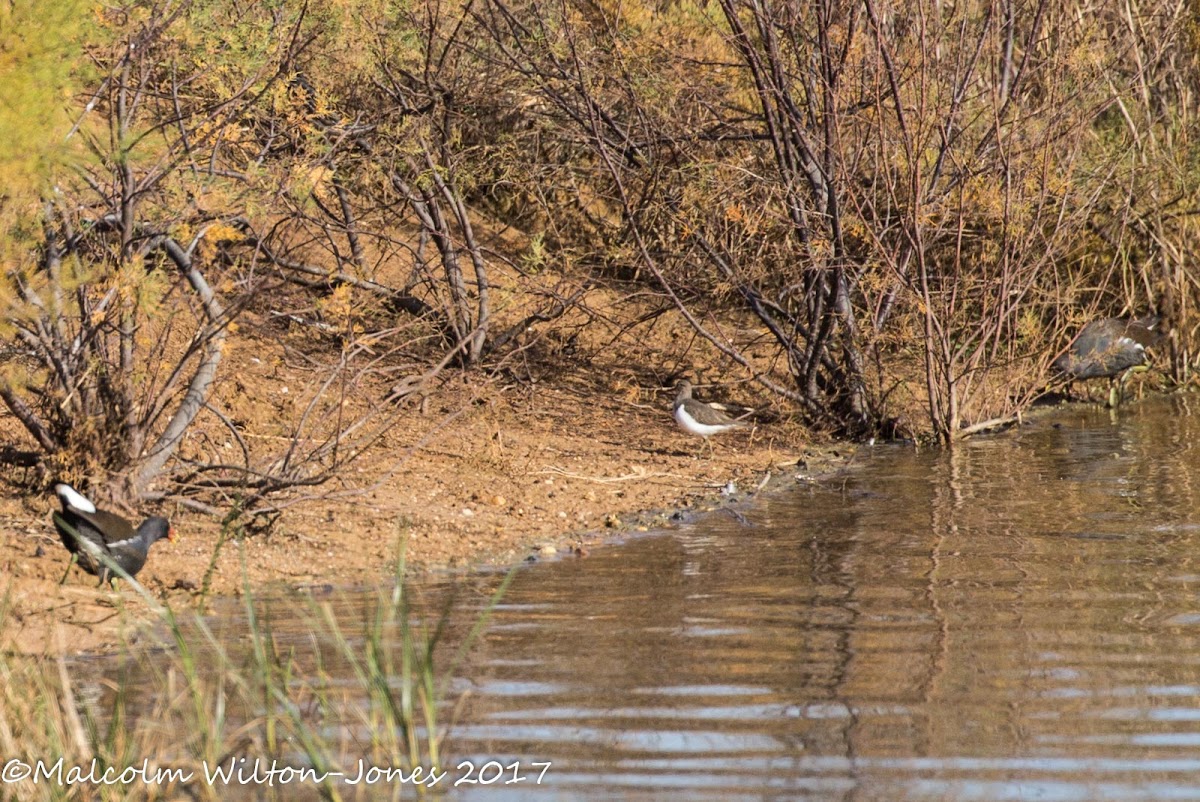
[1016,619]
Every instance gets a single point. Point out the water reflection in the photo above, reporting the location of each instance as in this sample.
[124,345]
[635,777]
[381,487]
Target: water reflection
[1016,619]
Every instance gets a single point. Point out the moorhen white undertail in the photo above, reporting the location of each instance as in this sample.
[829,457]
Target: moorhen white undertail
[92,534]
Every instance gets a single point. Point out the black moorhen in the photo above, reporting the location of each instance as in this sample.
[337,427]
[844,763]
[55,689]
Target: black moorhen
[91,535]
[1109,347]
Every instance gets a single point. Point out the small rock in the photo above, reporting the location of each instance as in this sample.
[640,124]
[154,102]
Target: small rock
[468,512]
[182,584]
[39,552]
[497,500]
[590,495]
[612,521]
[547,551]
[562,514]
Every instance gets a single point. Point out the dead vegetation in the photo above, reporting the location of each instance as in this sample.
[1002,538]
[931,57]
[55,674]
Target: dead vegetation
[887,218]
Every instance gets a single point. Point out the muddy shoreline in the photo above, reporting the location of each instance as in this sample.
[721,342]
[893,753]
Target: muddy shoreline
[513,481]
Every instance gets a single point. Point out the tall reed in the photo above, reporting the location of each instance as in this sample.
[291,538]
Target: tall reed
[301,688]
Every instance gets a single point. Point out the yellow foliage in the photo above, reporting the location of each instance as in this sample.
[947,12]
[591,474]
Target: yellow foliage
[1029,326]
[39,53]
[206,249]
[309,181]
[223,232]
[338,305]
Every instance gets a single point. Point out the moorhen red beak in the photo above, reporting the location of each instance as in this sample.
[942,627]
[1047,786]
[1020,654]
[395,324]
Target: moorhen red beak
[97,538]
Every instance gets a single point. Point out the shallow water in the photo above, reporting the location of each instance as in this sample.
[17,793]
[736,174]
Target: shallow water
[1017,619]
